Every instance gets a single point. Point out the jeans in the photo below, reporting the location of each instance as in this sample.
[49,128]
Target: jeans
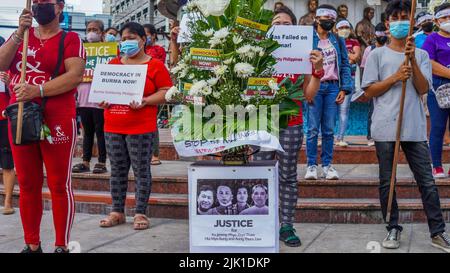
[344,110]
[322,114]
[438,118]
[369,120]
[417,154]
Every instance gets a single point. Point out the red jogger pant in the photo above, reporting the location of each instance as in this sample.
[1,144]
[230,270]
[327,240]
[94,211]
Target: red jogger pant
[57,158]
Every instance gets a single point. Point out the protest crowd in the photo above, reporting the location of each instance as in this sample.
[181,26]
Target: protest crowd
[352,62]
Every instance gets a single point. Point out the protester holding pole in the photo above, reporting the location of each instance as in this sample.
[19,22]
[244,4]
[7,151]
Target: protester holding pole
[54,66]
[385,71]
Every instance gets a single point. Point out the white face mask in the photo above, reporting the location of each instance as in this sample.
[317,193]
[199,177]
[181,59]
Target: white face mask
[93,37]
[445,26]
[344,33]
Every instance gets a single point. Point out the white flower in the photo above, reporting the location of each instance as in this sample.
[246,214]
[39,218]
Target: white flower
[273,85]
[220,70]
[178,68]
[208,33]
[244,70]
[191,76]
[213,81]
[197,88]
[219,37]
[191,5]
[171,93]
[237,40]
[216,94]
[243,51]
[213,7]
[207,90]
[228,61]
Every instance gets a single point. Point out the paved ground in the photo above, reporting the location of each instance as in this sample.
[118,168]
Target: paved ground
[167,235]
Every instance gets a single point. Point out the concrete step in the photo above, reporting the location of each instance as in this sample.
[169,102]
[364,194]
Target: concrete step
[309,210]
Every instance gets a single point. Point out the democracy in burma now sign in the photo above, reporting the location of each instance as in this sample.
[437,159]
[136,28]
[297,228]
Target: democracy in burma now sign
[98,53]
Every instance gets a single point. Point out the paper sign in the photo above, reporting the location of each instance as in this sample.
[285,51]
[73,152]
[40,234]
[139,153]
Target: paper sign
[184,36]
[259,86]
[255,29]
[196,100]
[98,53]
[205,59]
[296,46]
[2,87]
[118,84]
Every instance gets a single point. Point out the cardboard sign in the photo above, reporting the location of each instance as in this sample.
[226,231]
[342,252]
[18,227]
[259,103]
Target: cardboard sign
[98,53]
[118,84]
[256,30]
[233,209]
[259,86]
[296,45]
[205,59]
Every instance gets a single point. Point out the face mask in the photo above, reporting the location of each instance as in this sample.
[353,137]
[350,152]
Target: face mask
[427,27]
[445,26]
[344,33]
[93,37]
[130,48]
[110,38]
[44,13]
[382,40]
[327,25]
[399,29]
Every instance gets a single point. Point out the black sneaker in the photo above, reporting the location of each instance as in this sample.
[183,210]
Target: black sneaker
[392,240]
[27,249]
[442,241]
[288,236]
[61,250]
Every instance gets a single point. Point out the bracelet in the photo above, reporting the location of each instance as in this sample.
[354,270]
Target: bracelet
[17,36]
[14,39]
[41,90]
[318,74]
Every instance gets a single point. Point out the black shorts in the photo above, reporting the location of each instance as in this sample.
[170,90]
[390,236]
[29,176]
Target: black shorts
[6,159]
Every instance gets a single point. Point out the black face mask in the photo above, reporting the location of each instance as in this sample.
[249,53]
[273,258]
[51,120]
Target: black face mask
[427,27]
[44,13]
[327,25]
[382,40]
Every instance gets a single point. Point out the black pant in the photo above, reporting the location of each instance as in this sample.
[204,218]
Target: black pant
[93,121]
[418,156]
[369,120]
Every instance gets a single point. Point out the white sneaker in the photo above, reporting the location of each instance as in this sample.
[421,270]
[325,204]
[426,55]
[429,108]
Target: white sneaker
[341,143]
[311,173]
[371,143]
[330,173]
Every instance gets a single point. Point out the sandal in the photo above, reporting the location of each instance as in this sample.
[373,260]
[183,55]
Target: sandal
[288,236]
[156,162]
[8,211]
[113,219]
[100,168]
[80,168]
[141,222]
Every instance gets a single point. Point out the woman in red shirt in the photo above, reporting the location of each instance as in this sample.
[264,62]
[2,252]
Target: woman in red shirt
[130,129]
[55,152]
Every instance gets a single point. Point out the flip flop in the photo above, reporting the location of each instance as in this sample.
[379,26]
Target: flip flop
[8,211]
[156,162]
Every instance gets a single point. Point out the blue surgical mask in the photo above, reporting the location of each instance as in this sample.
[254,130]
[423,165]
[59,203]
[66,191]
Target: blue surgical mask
[110,38]
[130,47]
[399,29]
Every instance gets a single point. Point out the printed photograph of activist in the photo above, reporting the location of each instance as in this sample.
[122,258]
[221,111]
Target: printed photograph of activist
[232,197]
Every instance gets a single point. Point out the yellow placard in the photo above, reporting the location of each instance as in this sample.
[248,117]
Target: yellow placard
[205,52]
[251,24]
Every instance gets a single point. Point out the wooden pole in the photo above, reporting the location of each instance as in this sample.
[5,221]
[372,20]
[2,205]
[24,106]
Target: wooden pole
[399,123]
[22,79]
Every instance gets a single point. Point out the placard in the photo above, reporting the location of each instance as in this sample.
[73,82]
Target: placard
[233,209]
[255,29]
[98,53]
[118,84]
[260,86]
[296,46]
[205,59]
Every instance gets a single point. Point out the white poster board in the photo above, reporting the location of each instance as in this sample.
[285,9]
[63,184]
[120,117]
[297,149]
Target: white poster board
[118,84]
[218,226]
[296,46]
[2,87]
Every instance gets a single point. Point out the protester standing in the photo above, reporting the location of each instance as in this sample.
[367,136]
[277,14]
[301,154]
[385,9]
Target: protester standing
[130,129]
[384,73]
[291,139]
[437,46]
[335,84]
[424,21]
[45,80]
[91,114]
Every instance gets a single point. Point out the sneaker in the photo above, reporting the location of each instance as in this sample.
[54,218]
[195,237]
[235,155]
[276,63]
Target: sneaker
[330,173]
[61,250]
[311,173]
[27,249]
[341,143]
[392,240]
[438,172]
[371,143]
[288,236]
[442,241]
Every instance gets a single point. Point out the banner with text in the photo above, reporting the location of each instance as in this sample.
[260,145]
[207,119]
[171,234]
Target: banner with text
[118,84]
[98,53]
[296,46]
